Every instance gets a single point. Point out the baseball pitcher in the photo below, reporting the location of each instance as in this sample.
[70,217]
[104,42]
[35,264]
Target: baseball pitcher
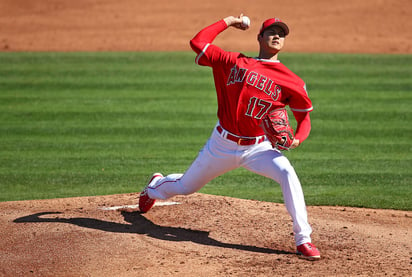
[253,127]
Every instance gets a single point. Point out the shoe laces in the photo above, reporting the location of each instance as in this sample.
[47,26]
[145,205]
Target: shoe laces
[310,246]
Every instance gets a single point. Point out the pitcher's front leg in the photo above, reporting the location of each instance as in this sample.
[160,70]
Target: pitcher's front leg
[208,165]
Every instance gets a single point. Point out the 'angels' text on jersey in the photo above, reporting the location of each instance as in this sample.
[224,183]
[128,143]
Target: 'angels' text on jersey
[261,82]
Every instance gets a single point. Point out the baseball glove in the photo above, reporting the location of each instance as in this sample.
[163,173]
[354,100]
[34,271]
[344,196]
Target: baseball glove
[277,129]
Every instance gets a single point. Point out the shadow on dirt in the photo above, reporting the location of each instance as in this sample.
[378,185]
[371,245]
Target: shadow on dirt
[141,225]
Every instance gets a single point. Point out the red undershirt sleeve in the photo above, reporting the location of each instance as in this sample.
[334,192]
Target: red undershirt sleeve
[207,35]
[303,125]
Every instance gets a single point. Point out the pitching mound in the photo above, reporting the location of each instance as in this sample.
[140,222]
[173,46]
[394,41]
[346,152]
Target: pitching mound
[203,235]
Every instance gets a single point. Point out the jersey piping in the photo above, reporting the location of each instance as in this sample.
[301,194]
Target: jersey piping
[201,53]
[301,110]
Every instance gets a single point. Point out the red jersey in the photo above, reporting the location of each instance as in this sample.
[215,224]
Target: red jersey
[248,88]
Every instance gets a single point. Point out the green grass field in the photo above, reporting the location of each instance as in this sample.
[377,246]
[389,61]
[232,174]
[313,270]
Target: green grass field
[76,124]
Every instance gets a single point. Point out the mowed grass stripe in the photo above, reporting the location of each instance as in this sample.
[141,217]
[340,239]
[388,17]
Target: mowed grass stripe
[100,123]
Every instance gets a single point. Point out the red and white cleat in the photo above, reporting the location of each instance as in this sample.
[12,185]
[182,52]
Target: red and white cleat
[145,202]
[308,251]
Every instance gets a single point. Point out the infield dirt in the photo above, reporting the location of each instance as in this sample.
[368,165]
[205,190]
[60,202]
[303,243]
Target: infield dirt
[204,235]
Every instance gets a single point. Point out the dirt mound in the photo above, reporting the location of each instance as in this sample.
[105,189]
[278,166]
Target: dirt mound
[203,235]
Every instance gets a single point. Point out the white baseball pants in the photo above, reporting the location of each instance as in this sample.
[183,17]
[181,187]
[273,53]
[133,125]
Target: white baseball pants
[220,155]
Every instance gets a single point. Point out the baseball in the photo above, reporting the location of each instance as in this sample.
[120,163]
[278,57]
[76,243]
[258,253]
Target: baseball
[245,21]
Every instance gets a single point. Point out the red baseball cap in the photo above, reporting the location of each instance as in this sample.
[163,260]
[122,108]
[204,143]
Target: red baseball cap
[274,21]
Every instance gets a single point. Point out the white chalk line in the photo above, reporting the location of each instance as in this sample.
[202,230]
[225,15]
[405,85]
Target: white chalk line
[137,206]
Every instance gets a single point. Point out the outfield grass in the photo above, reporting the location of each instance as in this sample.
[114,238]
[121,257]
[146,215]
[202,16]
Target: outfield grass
[75,124]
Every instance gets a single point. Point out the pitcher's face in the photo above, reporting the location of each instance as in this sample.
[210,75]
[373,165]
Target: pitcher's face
[272,39]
